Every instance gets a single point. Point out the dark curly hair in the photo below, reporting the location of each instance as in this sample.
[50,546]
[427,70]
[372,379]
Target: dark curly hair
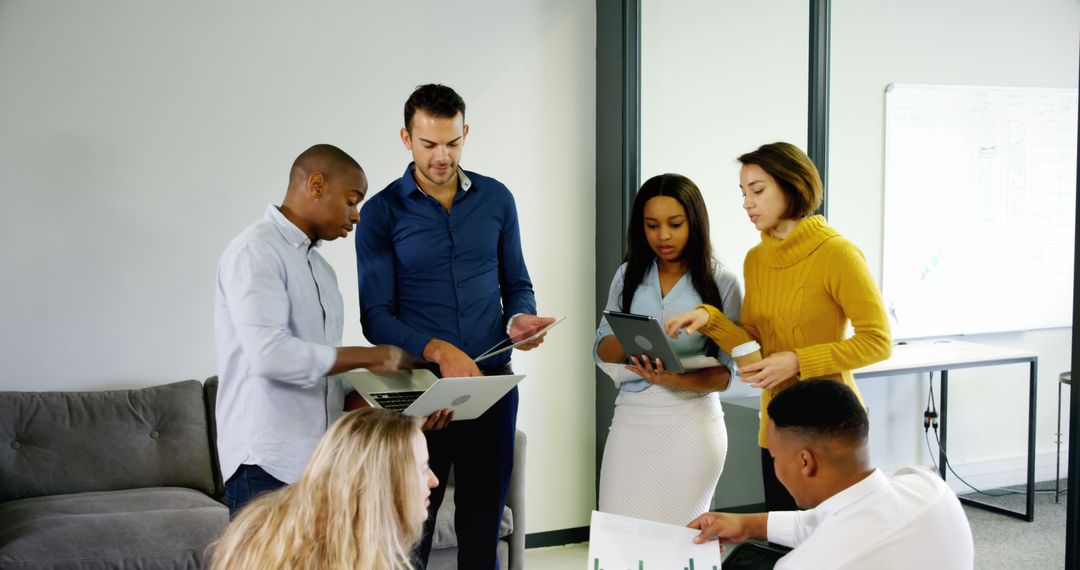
[820,409]
[435,100]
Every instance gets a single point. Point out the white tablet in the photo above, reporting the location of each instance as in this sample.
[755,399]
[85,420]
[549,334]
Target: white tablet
[499,347]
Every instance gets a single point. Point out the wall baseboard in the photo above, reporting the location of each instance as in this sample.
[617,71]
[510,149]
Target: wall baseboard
[1003,472]
[557,537]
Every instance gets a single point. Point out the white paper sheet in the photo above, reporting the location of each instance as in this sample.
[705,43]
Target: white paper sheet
[625,543]
[618,373]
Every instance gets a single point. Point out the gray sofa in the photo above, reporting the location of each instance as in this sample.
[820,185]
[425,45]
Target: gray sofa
[129,479]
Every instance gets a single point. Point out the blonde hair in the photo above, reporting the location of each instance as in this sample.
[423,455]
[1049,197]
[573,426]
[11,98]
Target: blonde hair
[354,506]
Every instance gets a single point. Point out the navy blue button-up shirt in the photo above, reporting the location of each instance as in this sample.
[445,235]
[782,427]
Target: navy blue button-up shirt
[426,273]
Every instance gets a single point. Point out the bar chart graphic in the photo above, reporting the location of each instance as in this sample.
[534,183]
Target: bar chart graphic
[641,565]
[625,543]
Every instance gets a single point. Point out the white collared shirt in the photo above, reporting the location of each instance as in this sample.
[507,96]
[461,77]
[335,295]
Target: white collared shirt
[909,520]
[278,318]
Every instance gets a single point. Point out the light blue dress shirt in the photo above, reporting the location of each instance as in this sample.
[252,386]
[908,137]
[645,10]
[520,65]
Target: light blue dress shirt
[681,298]
[278,319]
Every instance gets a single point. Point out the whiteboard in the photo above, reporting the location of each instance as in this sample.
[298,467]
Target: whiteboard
[980,191]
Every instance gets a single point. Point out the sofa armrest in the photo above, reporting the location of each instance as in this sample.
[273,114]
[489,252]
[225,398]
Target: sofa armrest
[210,389]
[515,499]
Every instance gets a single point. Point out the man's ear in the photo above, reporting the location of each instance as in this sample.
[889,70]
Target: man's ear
[316,184]
[465,132]
[406,139]
[808,462]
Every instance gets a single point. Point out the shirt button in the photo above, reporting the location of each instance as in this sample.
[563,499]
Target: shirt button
[460,285]
[461,313]
[15,445]
[153,434]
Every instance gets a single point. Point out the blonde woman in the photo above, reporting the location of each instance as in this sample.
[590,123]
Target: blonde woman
[361,502]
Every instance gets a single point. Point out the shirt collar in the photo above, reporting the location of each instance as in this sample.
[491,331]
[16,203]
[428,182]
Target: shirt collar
[838,502]
[652,275]
[288,230]
[409,184]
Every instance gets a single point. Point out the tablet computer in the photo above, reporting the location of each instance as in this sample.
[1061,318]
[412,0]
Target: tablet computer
[507,343]
[641,334]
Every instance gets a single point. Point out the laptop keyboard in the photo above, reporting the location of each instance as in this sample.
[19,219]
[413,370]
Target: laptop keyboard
[395,401]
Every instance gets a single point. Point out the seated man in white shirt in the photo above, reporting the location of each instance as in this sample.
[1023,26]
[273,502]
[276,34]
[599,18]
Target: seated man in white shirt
[857,517]
[278,320]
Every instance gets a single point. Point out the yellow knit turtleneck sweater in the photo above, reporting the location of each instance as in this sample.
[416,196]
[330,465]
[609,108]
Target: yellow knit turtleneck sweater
[800,293]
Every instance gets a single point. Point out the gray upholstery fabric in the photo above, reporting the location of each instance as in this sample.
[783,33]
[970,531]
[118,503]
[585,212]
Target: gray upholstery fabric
[138,528]
[72,442]
[210,389]
[446,536]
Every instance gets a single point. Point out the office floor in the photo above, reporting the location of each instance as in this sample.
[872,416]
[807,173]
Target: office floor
[1000,542]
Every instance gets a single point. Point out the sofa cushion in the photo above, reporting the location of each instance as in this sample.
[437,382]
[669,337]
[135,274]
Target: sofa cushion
[73,442]
[446,536]
[138,528]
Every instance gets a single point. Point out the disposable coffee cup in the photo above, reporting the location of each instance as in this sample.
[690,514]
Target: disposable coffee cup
[746,353]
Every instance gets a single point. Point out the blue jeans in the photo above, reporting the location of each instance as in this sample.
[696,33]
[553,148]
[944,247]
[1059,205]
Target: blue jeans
[248,482]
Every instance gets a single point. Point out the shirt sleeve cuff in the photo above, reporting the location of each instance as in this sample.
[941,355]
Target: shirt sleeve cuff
[815,361]
[416,344]
[510,322]
[781,527]
[324,357]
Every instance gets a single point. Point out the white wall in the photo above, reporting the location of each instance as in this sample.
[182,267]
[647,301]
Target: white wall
[721,78]
[716,82]
[964,42]
[137,138]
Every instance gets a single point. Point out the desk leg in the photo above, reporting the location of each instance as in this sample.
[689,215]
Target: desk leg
[943,425]
[1029,514]
[1032,393]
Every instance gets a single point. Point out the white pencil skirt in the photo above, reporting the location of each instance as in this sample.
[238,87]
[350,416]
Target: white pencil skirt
[664,454]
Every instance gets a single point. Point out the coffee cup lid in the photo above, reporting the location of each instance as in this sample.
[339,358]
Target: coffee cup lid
[745,348]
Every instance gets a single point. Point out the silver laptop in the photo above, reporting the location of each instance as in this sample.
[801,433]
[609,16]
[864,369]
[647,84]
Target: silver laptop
[420,393]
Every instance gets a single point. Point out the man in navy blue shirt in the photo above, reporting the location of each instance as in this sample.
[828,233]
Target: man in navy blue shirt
[441,274]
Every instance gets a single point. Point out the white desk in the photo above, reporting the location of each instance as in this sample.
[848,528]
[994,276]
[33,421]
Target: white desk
[943,355]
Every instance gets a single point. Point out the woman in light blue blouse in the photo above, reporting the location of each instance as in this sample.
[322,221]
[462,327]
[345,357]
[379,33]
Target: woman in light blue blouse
[667,442]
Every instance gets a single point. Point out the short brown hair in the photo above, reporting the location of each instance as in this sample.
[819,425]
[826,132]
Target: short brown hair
[794,172]
[436,100]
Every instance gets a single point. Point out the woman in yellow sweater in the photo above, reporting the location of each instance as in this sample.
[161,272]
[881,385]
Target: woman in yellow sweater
[804,282]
